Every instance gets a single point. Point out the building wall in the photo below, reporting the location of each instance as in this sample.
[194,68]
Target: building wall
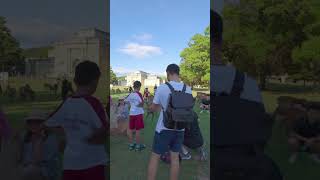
[39,67]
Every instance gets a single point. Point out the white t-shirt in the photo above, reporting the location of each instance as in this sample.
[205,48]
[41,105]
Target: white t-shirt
[161,98]
[79,117]
[135,98]
[222,78]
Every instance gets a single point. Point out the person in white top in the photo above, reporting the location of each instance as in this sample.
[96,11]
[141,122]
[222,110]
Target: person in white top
[84,122]
[136,117]
[166,139]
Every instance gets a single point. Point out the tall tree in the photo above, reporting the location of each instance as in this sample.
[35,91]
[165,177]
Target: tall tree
[308,57]
[195,63]
[268,31]
[113,77]
[10,52]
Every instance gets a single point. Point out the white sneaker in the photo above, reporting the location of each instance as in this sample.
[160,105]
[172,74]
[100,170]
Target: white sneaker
[315,158]
[293,158]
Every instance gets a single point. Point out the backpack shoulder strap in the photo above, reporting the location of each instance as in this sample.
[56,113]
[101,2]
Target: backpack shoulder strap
[238,84]
[184,88]
[170,87]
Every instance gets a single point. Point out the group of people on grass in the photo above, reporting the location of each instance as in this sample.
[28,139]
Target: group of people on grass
[76,130]
[168,144]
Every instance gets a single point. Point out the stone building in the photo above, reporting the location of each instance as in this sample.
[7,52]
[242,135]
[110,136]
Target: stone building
[39,67]
[87,44]
[146,79]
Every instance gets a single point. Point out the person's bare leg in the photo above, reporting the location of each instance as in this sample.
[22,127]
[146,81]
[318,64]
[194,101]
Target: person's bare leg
[138,137]
[130,135]
[153,166]
[174,166]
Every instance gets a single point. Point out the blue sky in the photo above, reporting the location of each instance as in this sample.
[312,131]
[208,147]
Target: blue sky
[148,35]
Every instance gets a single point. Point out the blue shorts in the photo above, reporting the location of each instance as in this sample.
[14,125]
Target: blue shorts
[167,140]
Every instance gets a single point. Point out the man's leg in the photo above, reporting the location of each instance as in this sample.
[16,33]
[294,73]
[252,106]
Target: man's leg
[153,166]
[174,166]
[175,148]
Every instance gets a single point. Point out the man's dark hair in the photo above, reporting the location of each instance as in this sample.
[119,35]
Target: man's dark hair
[136,84]
[173,69]
[86,72]
[216,27]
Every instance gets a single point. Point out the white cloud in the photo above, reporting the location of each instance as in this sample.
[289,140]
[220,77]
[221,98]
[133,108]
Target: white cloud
[143,37]
[140,51]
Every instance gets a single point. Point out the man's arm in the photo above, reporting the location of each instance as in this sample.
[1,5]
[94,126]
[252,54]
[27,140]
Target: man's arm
[155,107]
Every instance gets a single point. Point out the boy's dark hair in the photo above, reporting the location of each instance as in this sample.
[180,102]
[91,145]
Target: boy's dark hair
[216,27]
[173,69]
[86,72]
[136,84]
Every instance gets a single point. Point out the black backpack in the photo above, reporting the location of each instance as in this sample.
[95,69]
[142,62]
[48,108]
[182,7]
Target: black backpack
[179,113]
[241,129]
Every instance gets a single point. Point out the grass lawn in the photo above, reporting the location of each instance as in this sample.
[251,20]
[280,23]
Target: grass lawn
[304,168]
[130,165]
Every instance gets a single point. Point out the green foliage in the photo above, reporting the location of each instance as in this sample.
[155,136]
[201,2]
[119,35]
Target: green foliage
[261,34]
[308,57]
[10,52]
[113,77]
[195,63]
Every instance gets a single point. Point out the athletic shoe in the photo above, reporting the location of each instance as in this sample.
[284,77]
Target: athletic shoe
[140,147]
[293,158]
[315,158]
[132,146]
[185,156]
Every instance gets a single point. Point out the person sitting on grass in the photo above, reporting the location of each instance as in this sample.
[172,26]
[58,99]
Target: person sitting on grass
[40,150]
[83,119]
[136,117]
[303,128]
[205,103]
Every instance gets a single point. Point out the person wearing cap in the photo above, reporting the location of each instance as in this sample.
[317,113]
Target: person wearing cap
[40,149]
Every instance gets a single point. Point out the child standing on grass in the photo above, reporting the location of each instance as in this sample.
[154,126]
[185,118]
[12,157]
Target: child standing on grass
[122,114]
[136,117]
[84,122]
[40,150]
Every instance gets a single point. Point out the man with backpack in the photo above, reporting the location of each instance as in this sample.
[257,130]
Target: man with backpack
[240,126]
[175,101]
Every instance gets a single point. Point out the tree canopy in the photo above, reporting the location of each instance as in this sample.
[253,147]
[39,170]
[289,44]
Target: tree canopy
[10,51]
[260,35]
[195,60]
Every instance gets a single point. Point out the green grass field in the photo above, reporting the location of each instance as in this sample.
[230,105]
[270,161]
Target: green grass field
[304,168]
[130,165]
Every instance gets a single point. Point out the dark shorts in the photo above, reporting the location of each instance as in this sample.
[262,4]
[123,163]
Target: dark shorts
[167,140]
[96,173]
[136,122]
